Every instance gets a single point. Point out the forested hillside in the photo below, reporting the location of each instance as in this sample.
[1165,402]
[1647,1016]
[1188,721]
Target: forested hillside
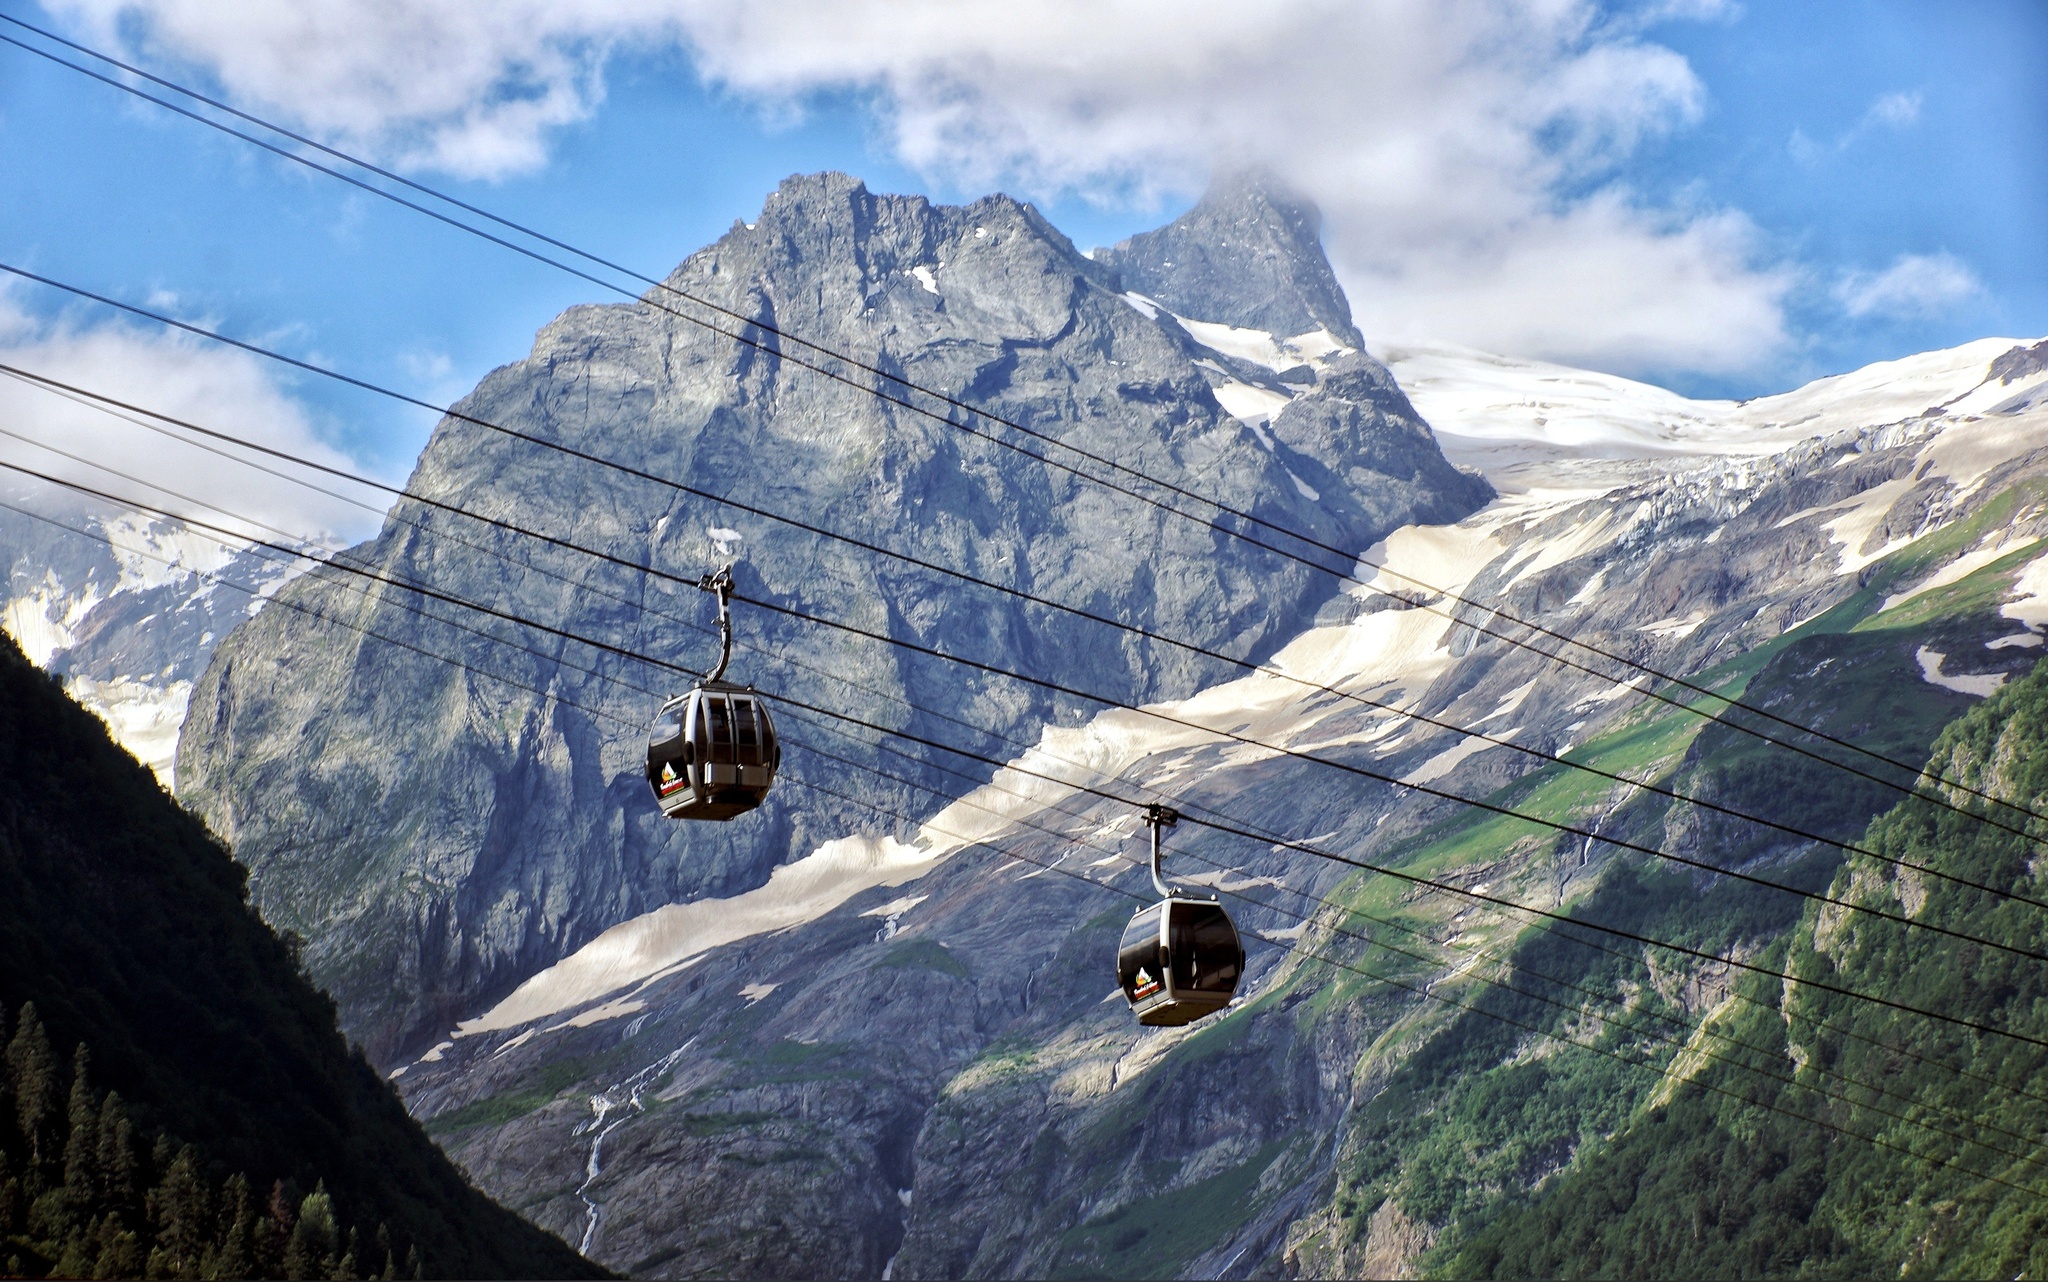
[237,1133]
[1837,1137]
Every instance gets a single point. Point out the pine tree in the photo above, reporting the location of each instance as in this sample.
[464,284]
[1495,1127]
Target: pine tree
[184,1221]
[345,1268]
[311,1250]
[82,1143]
[237,1257]
[119,1165]
[32,1071]
[120,1250]
[78,1256]
[276,1230]
[10,1197]
[7,1113]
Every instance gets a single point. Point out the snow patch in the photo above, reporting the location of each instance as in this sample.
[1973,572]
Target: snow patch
[896,907]
[1981,686]
[1496,412]
[2029,604]
[924,278]
[1142,305]
[1260,347]
[1674,627]
[1252,406]
[1509,702]
[796,892]
[143,718]
[515,1043]
[1613,692]
[1451,758]
[599,1014]
[755,992]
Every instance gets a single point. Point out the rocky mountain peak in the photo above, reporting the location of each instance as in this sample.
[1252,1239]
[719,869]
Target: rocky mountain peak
[418,913]
[1250,254]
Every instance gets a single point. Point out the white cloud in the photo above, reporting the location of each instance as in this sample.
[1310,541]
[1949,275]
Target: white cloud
[1915,285]
[1898,110]
[1452,143]
[1895,109]
[216,388]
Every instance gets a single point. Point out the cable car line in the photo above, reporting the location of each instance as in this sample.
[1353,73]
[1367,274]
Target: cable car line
[90,399]
[1222,825]
[1934,798]
[1549,758]
[311,612]
[1307,918]
[1075,692]
[1918,772]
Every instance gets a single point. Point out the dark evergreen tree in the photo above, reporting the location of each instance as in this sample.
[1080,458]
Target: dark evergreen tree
[118,1161]
[82,1142]
[180,1211]
[237,1258]
[32,1071]
[120,1250]
[310,1252]
[10,1196]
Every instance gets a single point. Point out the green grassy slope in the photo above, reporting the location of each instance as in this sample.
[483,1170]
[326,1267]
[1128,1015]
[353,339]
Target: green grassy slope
[128,926]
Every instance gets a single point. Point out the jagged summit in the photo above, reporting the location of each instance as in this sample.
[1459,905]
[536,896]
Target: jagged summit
[1250,254]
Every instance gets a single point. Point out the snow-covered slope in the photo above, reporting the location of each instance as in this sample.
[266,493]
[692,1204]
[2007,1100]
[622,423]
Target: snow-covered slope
[1494,412]
[127,611]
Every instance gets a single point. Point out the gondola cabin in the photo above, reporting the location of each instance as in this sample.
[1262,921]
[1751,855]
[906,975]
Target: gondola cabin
[1180,959]
[712,753]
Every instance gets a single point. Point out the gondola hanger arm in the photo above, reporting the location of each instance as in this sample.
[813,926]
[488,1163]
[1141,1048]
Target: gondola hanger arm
[1156,818]
[720,582]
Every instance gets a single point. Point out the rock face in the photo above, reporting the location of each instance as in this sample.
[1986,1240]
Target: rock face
[438,833]
[1248,255]
[928,1073]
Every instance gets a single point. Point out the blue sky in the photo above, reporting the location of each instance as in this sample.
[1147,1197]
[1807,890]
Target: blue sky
[1868,180]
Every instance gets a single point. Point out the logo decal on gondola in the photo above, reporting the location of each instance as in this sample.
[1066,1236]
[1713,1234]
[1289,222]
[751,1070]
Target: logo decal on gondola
[669,781]
[1144,985]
